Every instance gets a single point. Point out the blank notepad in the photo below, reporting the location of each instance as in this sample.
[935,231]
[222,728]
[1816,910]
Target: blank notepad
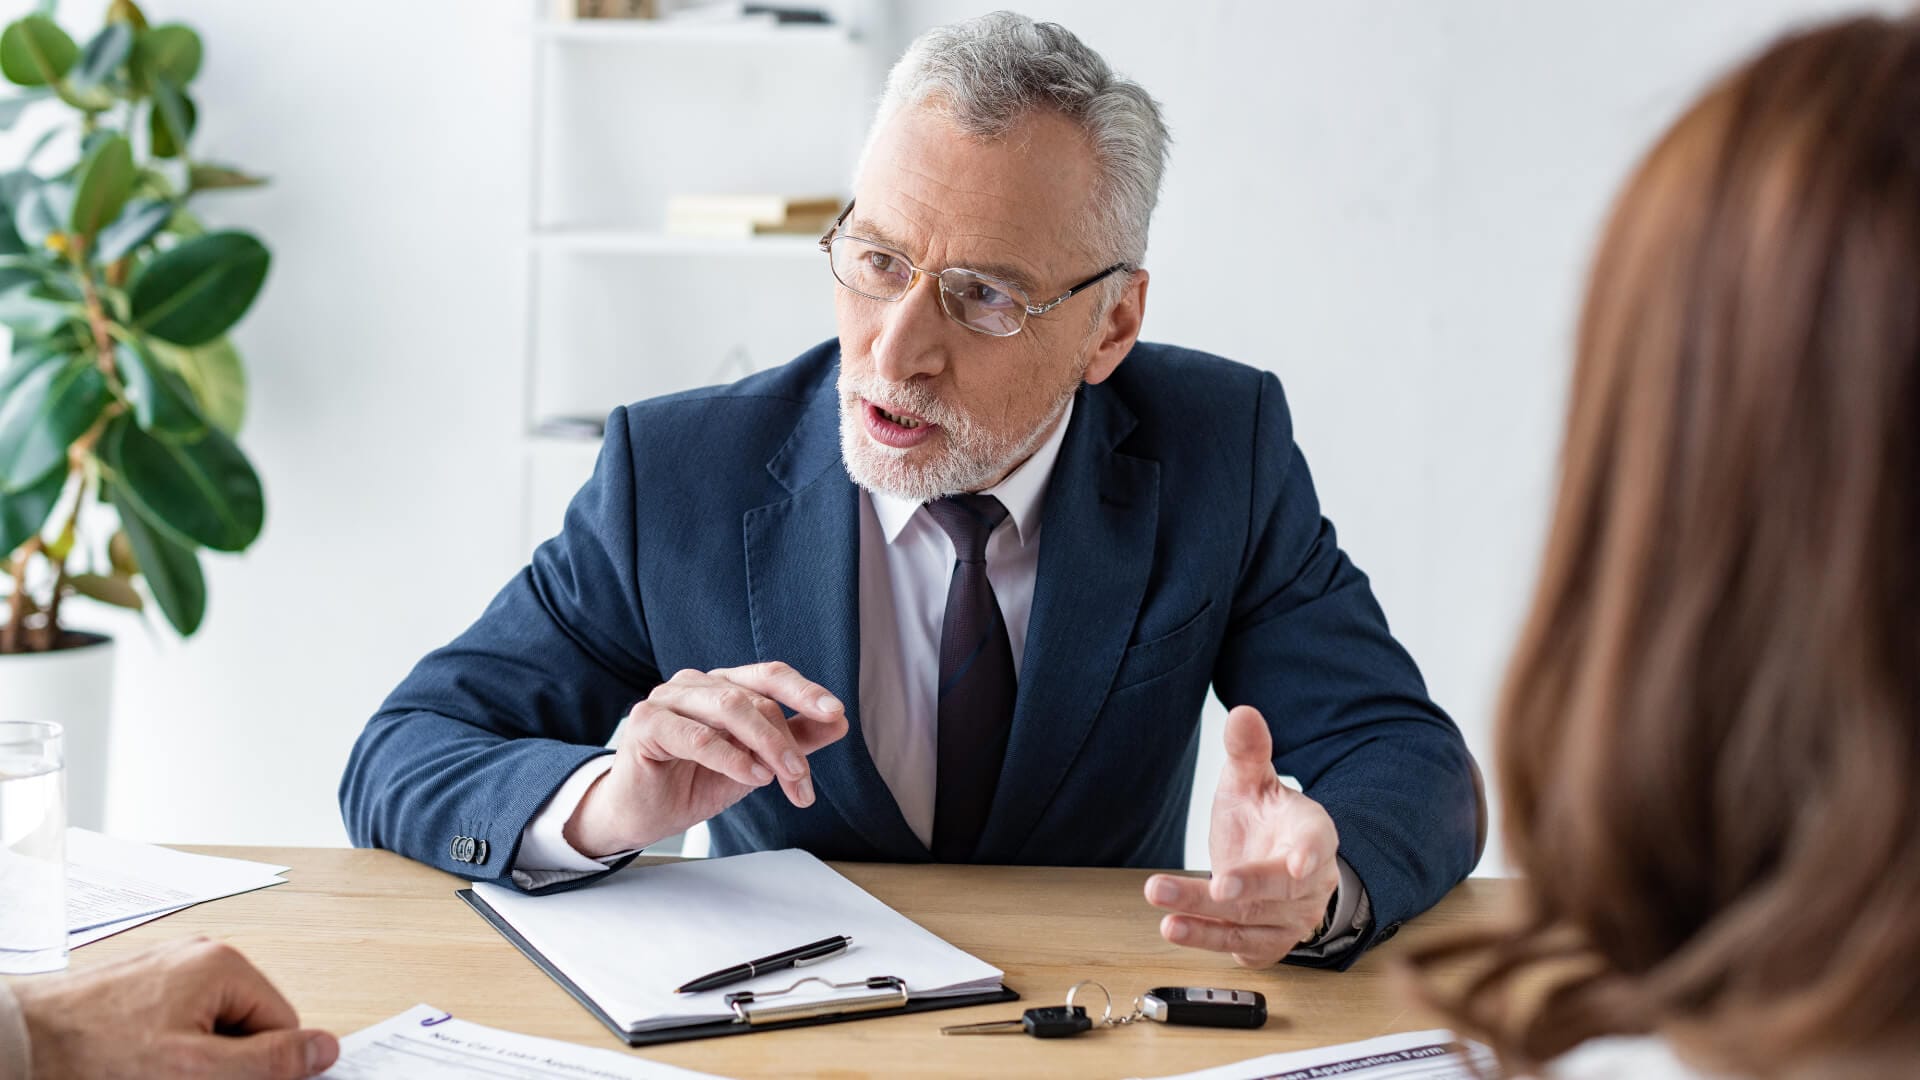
[626,941]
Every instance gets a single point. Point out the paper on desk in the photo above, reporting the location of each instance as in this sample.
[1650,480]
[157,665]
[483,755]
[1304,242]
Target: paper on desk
[115,884]
[424,1043]
[1415,1055]
[77,938]
[629,939]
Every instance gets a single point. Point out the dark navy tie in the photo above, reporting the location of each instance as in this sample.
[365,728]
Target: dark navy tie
[977,682]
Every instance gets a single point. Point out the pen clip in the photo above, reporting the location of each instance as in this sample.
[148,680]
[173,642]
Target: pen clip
[889,992]
[840,950]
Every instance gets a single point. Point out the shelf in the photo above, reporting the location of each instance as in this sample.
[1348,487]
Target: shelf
[561,444]
[638,242]
[636,31]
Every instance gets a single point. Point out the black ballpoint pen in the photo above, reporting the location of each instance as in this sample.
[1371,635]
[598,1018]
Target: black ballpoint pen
[805,954]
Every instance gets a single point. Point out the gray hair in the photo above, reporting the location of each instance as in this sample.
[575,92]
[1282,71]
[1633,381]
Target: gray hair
[987,73]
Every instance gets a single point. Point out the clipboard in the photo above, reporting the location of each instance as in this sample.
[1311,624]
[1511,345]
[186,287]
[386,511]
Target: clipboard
[718,1028]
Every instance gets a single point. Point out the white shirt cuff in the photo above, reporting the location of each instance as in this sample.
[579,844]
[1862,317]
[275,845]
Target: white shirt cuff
[1352,915]
[545,858]
[1346,903]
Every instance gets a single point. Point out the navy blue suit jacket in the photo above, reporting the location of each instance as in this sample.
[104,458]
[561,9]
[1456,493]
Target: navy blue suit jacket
[1183,548]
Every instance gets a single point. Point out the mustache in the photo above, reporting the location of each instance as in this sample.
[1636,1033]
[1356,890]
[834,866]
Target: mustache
[907,397]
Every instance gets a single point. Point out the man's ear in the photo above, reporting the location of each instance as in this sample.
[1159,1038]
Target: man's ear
[1119,330]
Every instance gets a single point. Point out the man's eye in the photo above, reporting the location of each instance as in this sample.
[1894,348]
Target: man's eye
[882,262]
[980,292]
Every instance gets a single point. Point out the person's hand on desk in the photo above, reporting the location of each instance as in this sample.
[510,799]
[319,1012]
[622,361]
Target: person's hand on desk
[698,744]
[190,1008]
[1272,850]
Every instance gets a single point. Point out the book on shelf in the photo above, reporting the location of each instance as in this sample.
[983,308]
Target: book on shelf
[711,12]
[745,216]
[570,10]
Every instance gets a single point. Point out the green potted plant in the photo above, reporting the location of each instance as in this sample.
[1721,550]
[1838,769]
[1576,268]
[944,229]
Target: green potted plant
[122,397]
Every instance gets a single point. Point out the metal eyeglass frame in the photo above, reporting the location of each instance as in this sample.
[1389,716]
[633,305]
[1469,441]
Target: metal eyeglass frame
[1028,310]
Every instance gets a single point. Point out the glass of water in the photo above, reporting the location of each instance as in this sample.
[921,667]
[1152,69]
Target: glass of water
[33,846]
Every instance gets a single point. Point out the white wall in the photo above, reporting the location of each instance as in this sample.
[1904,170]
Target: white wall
[1388,203]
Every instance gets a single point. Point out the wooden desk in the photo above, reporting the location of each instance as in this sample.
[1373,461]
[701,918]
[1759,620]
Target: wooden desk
[357,936]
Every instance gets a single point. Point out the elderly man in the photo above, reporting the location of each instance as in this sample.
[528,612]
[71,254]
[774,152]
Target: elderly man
[955,585]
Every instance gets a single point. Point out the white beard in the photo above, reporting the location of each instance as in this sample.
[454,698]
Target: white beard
[969,458]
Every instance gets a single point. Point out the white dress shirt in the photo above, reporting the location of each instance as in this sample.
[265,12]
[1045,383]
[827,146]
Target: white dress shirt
[906,565]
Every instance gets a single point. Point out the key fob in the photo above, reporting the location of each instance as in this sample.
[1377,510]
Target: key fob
[1056,1021]
[1205,1006]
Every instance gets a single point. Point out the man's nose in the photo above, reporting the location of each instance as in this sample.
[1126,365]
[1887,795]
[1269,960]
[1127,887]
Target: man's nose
[913,333]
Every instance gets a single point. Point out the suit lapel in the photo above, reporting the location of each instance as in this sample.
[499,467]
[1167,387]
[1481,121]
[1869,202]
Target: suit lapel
[803,596]
[1096,549]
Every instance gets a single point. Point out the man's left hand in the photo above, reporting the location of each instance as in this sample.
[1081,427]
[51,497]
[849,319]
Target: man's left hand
[1273,851]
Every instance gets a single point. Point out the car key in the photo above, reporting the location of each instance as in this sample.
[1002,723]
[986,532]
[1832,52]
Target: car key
[1204,1006]
[1048,1022]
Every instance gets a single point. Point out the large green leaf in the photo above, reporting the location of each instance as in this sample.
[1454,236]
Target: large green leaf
[193,292]
[140,222]
[24,513]
[171,52]
[54,404]
[218,379]
[106,179]
[162,402]
[170,123]
[103,56]
[172,570]
[201,492]
[36,52]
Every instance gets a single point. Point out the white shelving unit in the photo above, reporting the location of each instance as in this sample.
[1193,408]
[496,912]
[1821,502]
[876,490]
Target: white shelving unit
[558,248]
[553,465]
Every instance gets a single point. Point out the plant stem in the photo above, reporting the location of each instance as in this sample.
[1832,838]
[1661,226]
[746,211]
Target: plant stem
[17,617]
[50,630]
[96,311]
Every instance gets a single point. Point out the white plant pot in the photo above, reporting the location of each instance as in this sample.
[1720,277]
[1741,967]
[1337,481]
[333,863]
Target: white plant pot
[73,688]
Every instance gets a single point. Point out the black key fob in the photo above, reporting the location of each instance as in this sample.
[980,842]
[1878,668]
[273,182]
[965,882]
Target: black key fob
[1056,1021]
[1205,1007]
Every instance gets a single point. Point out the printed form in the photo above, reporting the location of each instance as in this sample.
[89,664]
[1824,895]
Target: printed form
[425,1043]
[1415,1055]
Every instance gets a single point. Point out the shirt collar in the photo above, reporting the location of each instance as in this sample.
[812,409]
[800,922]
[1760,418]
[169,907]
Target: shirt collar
[1022,492]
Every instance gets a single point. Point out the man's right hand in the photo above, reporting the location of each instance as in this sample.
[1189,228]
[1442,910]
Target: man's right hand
[698,744]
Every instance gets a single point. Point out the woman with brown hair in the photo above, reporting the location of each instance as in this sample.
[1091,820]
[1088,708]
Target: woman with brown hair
[1710,735]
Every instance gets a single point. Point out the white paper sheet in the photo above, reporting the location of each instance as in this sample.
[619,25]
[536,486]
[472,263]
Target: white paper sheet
[1414,1055]
[77,938]
[424,1043]
[629,939]
[115,884]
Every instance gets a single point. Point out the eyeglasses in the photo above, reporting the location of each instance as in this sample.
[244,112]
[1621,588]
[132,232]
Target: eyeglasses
[980,302]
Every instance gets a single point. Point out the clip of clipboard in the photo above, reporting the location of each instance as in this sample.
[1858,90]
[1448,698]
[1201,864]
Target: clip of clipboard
[881,995]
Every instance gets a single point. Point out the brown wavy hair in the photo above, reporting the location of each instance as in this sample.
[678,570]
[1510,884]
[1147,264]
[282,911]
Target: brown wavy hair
[1709,738]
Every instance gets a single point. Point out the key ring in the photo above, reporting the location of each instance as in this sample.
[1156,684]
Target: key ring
[1106,1016]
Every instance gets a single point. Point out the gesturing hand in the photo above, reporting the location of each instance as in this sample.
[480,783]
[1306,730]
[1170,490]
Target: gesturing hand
[1273,860]
[698,744]
[188,1008]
